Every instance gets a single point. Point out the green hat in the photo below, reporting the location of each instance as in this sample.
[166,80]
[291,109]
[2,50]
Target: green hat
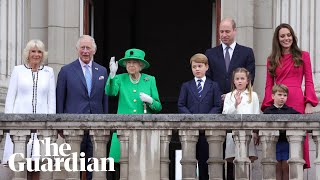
[135,54]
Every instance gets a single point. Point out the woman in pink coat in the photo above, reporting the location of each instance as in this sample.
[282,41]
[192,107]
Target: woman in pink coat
[288,64]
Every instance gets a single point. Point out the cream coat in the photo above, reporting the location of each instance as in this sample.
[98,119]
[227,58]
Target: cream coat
[20,91]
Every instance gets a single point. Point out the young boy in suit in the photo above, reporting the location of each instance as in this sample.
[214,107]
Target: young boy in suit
[279,95]
[200,96]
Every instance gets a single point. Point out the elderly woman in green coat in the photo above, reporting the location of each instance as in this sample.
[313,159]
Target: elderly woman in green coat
[137,91]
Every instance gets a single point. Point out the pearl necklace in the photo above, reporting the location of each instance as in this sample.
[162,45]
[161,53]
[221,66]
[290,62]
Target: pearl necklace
[135,81]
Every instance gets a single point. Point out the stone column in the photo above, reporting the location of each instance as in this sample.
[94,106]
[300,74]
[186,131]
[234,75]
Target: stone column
[215,140]
[123,136]
[188,140]
[74,138]
[42,134]
[1,149]
[100,138]
[296,161]
[268,139]
[20,138]
[165,136]
[63,32]
[316,139]
[242,162]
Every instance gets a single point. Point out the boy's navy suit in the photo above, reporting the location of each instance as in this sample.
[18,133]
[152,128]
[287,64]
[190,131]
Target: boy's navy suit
[209,103]
[190,103]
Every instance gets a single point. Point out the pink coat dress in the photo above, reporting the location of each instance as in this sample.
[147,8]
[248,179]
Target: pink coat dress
[292,77]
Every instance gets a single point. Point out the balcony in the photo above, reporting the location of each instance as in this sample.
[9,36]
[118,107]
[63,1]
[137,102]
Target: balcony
[145,142]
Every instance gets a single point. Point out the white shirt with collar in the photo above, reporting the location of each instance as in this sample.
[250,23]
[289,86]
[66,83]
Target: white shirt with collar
[231,49]
[202,82]
[83,68]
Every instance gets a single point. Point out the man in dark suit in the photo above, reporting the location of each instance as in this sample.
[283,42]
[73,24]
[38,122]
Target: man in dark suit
[80,88]
[239,56]
[224,59]
[200,96]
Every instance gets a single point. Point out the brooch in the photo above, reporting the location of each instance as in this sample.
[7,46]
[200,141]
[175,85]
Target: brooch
[146,79]
[101,77]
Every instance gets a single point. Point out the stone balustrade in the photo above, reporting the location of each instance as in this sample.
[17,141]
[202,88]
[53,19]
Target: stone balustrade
[145,141]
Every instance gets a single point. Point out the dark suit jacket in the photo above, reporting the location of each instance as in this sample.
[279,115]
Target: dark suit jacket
[189,101]
[72,94]
[242,57]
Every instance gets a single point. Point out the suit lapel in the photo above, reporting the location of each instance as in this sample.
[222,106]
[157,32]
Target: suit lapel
[206,87]
[235,55]
[221,59]
[78,69]
[95,74]
[193,87]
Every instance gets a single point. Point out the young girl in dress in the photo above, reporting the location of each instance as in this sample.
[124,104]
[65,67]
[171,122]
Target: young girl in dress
[241,100]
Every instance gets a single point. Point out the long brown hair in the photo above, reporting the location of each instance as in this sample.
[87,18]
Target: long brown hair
[274,57]
[249,86]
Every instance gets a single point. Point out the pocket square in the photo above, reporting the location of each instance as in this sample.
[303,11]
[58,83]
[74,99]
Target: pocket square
[101,77]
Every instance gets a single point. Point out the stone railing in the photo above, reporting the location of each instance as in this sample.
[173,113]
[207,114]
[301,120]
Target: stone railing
[145,141]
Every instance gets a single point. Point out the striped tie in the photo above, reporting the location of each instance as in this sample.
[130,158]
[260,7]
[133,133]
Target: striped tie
[199,87]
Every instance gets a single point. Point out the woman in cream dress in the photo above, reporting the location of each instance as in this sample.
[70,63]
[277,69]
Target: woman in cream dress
[31,91]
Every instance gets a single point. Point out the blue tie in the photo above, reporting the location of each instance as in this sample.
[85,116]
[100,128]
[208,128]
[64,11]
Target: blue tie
[199,87]
[88,77]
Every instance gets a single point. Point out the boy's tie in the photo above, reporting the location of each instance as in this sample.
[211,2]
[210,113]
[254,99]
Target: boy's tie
[199,87]
[88,78]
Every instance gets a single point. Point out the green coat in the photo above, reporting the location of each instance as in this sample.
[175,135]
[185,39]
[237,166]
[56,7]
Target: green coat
[129,93]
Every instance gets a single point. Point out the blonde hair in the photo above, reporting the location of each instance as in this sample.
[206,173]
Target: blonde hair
[249,86]
[34,43]
[199,58]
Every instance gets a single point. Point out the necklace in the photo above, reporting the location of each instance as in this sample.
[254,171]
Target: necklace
[135,81]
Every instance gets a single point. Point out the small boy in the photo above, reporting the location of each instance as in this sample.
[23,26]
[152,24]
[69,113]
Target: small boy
[200,96]
[279,96]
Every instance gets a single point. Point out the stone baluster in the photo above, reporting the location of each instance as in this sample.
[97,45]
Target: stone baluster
[296,161]
[20,138]
[316,139]
[123,136]
[165,136]
[42,135]
[1,148]
[74,138]
[215,140]
[100,138]
[242,162]
[268,139]
[188,162]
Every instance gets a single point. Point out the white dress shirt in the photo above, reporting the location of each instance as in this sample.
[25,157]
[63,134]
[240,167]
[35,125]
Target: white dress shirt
[231,49]
[83,66]
[202,82]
